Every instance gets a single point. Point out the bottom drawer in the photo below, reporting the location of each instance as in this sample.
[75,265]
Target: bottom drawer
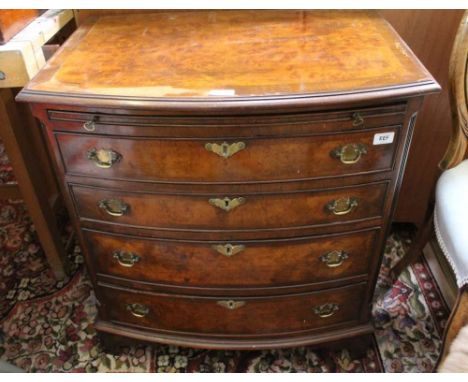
[237,316]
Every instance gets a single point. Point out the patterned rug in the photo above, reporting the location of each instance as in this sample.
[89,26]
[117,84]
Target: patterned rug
[48,326]
[6,171]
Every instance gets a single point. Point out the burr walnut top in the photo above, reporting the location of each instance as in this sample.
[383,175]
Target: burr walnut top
[231,55]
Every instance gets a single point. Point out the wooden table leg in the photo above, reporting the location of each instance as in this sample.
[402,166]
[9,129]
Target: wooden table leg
[416,248]
[31,181]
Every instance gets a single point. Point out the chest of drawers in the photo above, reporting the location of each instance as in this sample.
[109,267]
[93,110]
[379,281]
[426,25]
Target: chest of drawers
[232,175]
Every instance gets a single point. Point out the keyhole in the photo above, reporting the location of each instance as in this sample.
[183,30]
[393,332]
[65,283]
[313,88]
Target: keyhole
[231,304]
[226,203]
[228,250]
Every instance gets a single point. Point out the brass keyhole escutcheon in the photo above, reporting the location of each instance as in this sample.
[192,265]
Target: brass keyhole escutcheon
[114,207]
[103,158]
[342,206]
[326,310]
[231,304]
[334,259]
[227,204]
[350,153]
[228,250]
[225,149]
[126,259]
[138,310]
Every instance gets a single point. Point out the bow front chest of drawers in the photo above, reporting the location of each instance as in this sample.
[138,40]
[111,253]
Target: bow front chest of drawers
[231,175]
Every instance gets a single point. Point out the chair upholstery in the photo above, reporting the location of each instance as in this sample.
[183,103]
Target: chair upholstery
[456,360]
[451,195]
[451,219]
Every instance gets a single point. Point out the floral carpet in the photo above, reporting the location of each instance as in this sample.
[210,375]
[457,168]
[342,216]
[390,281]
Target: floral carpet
[48,326]
[6,171]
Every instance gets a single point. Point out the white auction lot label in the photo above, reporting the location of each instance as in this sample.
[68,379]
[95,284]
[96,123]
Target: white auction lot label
[384,138]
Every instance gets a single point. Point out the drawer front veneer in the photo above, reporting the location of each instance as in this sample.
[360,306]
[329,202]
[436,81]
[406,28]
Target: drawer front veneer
[236,316]
[233,212]
[220,160]
[247,264]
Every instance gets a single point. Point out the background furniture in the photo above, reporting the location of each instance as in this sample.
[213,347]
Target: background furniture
[20,59]
[456,360]
[277,133]
[451,209]
[13,20]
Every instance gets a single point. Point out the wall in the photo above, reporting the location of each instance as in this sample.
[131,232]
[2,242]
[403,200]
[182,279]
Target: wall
[430,34]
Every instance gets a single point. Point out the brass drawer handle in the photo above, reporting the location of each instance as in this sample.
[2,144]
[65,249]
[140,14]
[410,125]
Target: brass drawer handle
[227,204]
[349,154]
[103,158]
[342,206]
[126,259]
[326,310]
[357,119]
[231,304]
[225,149]
[228,250]
[138,310]
[334,259]
[114,207]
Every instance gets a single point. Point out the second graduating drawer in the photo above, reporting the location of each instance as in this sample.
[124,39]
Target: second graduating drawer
[229,265]
[221,212]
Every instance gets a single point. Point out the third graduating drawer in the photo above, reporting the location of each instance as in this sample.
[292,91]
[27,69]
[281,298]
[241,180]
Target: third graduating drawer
[222,267]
